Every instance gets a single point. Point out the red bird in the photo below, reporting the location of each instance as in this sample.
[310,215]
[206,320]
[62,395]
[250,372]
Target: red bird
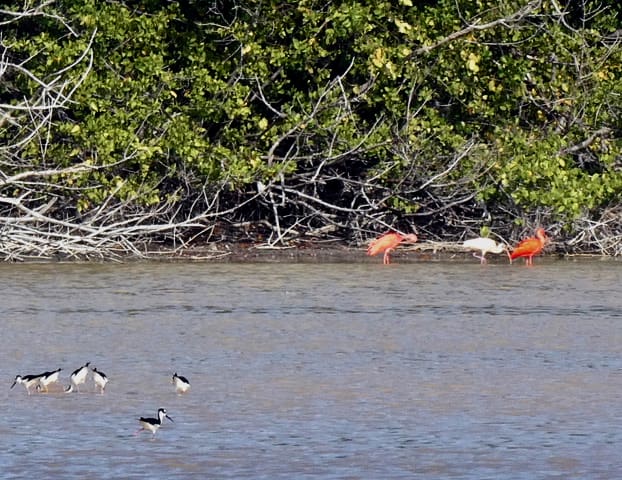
[387,243]
[530,246]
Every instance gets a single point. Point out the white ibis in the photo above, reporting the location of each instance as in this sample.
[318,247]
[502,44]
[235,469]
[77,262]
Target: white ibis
[483,245]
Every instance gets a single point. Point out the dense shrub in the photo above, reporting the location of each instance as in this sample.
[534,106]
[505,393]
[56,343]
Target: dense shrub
[307,118]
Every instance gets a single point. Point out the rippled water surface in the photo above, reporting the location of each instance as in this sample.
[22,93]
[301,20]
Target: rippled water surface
[334,371]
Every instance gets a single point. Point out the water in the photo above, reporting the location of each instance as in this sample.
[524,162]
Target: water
[336,371]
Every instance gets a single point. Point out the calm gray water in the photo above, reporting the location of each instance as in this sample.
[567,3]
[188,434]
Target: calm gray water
[336,371]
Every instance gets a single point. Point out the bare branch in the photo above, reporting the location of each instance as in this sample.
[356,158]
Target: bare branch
[516,17]
[601,132]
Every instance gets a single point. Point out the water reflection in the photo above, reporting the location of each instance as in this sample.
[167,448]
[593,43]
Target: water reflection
[427,370]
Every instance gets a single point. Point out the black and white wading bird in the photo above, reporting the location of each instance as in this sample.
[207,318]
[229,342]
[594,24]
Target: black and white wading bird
[28,381]
[78,377]
[47,378]
[100,380]
[182,385]
[152,424]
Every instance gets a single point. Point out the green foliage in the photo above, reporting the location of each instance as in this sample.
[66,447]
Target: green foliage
[181,95]
[538,175]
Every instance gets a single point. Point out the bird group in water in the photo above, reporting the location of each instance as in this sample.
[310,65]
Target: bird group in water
[41,382]
[526,248]
[385,244]
[38,382]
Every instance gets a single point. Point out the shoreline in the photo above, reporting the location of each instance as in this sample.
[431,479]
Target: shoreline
[300,252]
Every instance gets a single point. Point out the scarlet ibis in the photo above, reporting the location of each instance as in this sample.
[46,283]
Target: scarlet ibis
[387,243]
[483,245]
[530,246]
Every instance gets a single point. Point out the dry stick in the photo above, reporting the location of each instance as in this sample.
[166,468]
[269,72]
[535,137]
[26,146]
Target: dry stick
[334,159]
[601,132]
[514,18]
[35,12]
[276,216]
[310,116]
[18,177]
[336,207]
[281,235]
[57,100]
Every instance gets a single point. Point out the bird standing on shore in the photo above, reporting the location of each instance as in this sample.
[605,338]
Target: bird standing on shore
[484,245]
[530,246]
[387,243]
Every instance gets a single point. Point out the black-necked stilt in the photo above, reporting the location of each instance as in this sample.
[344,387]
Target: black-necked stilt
[46,378]
[153,424]
[100,380]
[27,381]
[182,385]
[78,377]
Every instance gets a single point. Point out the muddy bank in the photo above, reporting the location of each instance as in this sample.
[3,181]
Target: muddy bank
[307,252]
[324,253]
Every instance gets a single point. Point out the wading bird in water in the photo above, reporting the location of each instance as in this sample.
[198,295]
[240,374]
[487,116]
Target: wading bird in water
[27,381]
[182,385]
[387,243]
[47,378]
[530,246]
[152,424]
[78,377]
[483,245]
[100,379]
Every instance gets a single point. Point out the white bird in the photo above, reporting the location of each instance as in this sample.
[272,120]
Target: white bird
[483,245]
[153,424]
[182,385]
[78,377]
[100,380]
